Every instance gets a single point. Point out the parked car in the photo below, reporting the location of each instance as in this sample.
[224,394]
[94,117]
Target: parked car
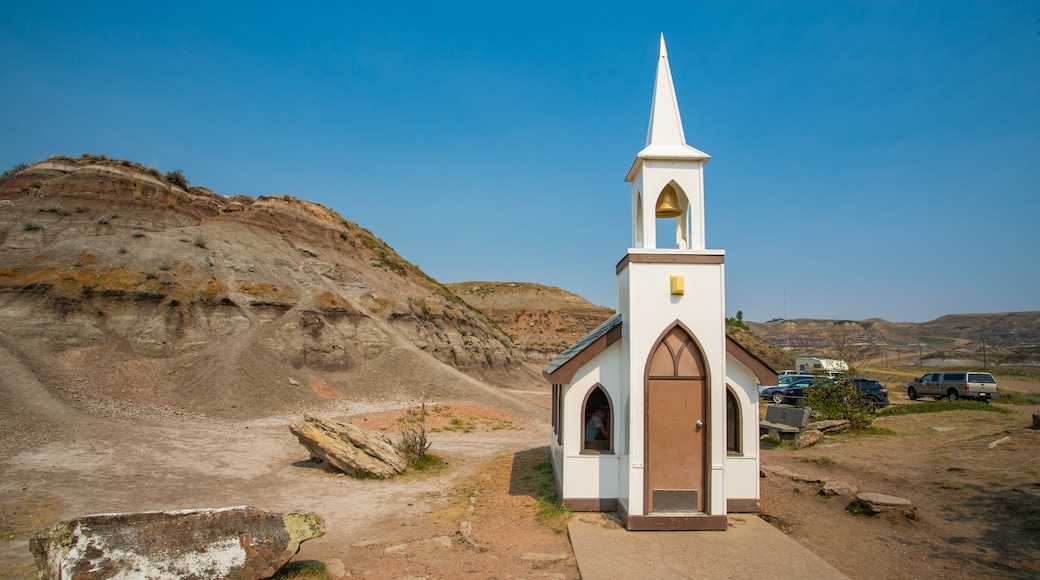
[784,380]
[954,385]
[875,393]
[789,393]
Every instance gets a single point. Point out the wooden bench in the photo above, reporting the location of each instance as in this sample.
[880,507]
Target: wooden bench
[788,422]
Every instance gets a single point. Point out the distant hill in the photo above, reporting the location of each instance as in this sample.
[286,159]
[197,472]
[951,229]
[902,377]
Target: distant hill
[1009,338]
[123,286]
[541,320]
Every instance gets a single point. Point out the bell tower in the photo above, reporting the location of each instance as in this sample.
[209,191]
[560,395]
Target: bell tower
[671,300]
[667,175]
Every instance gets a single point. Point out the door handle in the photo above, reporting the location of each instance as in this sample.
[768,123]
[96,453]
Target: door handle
[699,425]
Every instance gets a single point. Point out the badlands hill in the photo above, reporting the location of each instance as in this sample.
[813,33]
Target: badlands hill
[543,320]
[1002,338]
[123,289]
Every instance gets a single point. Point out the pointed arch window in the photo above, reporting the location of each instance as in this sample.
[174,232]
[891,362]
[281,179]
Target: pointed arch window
[597,422]
[734,445]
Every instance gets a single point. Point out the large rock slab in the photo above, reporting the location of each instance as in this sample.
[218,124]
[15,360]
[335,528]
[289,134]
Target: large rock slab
[831,425]
[807,438]
[879,503]
[348,448]
[236,542]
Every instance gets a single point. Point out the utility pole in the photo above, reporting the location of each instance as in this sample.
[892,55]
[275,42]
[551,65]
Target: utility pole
[985,367]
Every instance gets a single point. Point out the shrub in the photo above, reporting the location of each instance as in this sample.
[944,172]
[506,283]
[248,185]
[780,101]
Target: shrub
[414,443]
[31,225]
[36,185]
[303,570]
[344,234]
[106,218]
[14,169]
[61,211]
[121,249]
[176,177]
[200,241]
[137,234]
[839,400]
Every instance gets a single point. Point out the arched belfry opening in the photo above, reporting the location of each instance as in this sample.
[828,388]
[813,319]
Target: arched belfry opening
[672,213]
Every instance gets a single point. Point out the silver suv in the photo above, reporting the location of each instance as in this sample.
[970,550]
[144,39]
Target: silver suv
[954,385]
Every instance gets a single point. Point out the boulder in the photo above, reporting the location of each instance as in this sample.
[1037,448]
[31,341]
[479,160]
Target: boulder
[807,438]
[837,488]
[831,425]
[878,503]
[236,542]
[349,448]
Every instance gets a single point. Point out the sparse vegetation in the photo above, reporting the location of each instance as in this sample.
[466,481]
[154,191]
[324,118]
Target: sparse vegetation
[164,265]
[738,321]
[303,570]
[36,185]
[940,406]
[121,249]
[549,510]
[55,209]
[414,442]
[176,177]
[30,225]
[106,218]
[14,169]
[137,234]
[1017,398]
[200,241]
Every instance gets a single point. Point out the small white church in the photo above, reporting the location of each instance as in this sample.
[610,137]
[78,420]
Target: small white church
[655,412]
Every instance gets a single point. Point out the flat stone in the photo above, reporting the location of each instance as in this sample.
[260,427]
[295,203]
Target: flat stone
[1000,441]
[335,568]
[944,429]
[237,542]
[774,470]
[876,503]
[442,541]
[837,488]
[398,549]
[541,557]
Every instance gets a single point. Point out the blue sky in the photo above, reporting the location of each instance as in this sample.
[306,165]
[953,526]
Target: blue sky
[869,159]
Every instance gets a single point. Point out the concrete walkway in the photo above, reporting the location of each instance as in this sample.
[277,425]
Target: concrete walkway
[749,548]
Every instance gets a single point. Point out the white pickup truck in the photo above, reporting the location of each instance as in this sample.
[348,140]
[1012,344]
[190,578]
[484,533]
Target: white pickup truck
[956,385]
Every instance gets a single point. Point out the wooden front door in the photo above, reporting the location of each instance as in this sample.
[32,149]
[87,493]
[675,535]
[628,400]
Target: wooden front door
[676,426]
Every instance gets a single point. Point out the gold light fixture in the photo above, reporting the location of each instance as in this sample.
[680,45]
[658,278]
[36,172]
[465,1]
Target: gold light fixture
[668,203]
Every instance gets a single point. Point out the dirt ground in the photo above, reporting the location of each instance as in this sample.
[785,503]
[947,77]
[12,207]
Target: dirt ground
[974,477]
[409,527]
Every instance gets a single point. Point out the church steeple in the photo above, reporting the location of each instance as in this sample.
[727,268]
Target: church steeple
[666,175]
[665,123]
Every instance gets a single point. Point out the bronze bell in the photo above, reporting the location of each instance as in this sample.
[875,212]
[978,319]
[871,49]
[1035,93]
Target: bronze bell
[668,203]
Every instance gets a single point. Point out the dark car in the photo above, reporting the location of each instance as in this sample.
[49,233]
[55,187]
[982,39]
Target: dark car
[789,393]
[875,393]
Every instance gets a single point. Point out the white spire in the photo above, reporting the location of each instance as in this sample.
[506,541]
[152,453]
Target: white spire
[665,123]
